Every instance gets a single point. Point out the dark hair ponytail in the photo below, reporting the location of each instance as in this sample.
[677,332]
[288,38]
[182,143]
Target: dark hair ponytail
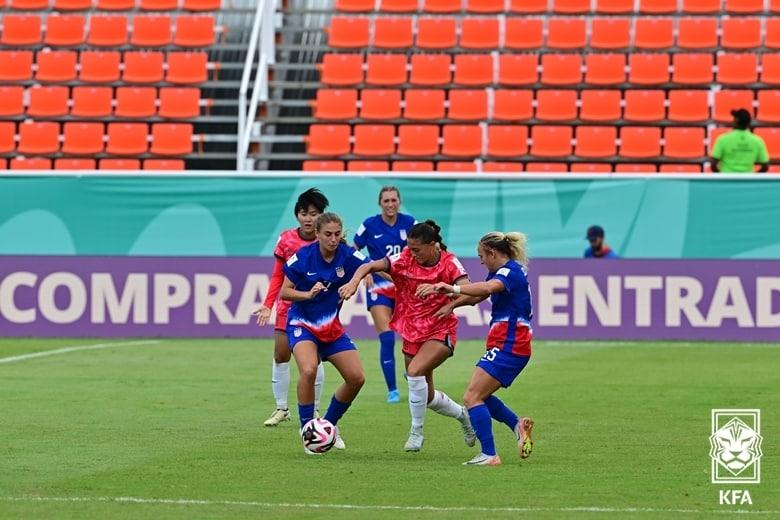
[427,232]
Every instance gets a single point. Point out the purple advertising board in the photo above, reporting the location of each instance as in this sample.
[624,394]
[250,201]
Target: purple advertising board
[727,300]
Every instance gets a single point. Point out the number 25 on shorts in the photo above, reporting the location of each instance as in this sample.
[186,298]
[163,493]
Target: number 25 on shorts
[490,355]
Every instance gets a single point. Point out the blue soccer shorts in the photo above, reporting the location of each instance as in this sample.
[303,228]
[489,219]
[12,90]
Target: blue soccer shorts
[502,366]
[324,348]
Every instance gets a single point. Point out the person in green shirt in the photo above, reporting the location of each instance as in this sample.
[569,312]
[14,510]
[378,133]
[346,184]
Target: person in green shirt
[740,150]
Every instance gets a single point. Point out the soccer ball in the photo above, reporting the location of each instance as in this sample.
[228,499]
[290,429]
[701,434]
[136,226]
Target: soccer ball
[318,435]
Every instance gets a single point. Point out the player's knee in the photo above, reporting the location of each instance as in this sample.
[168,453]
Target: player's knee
[470,398]
[413,371]
[356,381]
[281,356]
[308,373]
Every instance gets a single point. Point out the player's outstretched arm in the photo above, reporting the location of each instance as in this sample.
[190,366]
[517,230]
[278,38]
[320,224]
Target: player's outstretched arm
[290,293]
[263,312]
[348,290]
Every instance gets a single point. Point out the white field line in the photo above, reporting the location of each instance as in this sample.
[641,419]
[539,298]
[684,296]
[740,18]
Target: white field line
[378,507]
[65,350]
[639,343]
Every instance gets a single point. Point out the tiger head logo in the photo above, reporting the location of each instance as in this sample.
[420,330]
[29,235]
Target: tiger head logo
[735,446]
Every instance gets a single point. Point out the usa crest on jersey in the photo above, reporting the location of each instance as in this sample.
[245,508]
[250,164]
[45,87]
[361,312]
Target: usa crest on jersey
[340,271]
[403,234]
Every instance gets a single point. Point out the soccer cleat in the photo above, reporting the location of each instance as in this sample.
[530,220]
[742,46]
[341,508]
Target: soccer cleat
[469,435]
[393,396]
[525,443]
[414,442]
[484,460]
[279,415]
[339,442]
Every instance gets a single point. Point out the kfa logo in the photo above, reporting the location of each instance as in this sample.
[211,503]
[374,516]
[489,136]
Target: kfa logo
[735,446]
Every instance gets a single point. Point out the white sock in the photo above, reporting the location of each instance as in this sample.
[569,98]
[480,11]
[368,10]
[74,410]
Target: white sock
[280,383]
[442,404]
[319,381]
[418,398]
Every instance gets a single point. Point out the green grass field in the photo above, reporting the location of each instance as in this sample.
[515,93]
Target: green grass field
[173,429]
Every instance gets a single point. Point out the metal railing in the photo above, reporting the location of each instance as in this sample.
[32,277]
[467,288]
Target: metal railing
[260,54]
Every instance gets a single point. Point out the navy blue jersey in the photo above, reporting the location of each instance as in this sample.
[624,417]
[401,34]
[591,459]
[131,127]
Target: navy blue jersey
[511,308]
[305,268]
[380,238]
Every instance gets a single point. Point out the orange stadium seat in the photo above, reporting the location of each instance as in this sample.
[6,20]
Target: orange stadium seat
[728,100]
[683,142]
[768,106]
[507,140]
[179,103]
[158,5]
[91,101]
[517,69]
[374,140]
[412,166]
[11,101]
[566,33]
[16,65]
[7,136]
[151,31]
[590,168]
[74,164]
[524,33]
[697,33]
[119,164]
[654,33]
[479,33]
[741,33]
[715,133]
[430,69]
[343,69]
[658,6]
[381,70]
[399,6]
[644,105]
[418,140]
[187,67]
[473,69]
[115,5]
[21,30]
[467,105]
[171,139]
[771,136]
[692,69]
[82,138]
[355,6]
[329,140]
[605,69]
[600,105]
[55,66]
[143,67]
[545,167]
[380,104]
[64,30]
[689,105]
[745,6]
[528,6]
[772,35]
[436,33]
[680,168]
[38,137]
[203,5]
[136,102]
[164,164]
[30,163]
[770,69]
[513,105]
[48,101]
[551,141]
[368,166]
[614,6]
[571,6]
[737,68]
[127,138]
[640,142]
[107,31]
[323,166]
[610,33]
[29,5]
[194,31]
[99,66]
[452,166]
[335,104]
[648,69]
[700,6]
[502,167]
[635,168]
[348,32]
[441,6]
[561,69]
[556,105]
[485,6]
[423,104]
[393,33]
[462,140]
[595,142]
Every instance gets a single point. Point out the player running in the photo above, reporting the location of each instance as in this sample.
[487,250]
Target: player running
[428,338]
[384,235]
[313,276]
[310,205]
[508,342]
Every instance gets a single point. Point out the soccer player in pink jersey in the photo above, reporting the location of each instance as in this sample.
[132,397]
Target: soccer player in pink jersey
[428,337]
[310,205]
[508,343]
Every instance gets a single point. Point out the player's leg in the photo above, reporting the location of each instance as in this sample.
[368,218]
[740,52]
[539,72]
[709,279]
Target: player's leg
[307,358]
[480,387]
[319,382]
[382,314]
[343,355]
[280,378]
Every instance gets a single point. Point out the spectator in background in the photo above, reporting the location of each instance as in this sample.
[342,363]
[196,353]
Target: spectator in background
[598,248]
[739,150]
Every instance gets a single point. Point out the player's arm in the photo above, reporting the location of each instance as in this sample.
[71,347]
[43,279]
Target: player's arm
[347,290]
[263,312]
[290,293]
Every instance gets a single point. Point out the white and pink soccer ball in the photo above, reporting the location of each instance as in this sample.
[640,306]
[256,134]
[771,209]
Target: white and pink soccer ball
[318,435]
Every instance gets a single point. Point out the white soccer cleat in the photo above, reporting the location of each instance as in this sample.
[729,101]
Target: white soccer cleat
[484,460]
[469,435]
[339,443]
[279,415]
[525,444]
[414,442]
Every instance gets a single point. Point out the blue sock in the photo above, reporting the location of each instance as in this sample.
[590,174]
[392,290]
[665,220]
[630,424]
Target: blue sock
[480,421]
[336,410]
[387,358]
[501,412]
[305,413]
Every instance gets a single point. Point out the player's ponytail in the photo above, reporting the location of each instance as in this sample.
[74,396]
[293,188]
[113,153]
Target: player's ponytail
[427,232]
[513,244]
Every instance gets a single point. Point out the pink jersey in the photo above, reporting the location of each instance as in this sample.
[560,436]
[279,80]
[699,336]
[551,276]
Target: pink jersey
[413,317]
[287,245]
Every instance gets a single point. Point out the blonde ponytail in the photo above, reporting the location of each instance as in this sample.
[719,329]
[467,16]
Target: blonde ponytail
[513,244]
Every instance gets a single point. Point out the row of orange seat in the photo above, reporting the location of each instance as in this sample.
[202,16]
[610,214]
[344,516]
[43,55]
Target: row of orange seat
[42,163]
[108,31]
[608,33]
[552,69]
[544,105]
[104,66]
[99,102]
[80,138]
[561,6]
[513,141]
[112,5]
